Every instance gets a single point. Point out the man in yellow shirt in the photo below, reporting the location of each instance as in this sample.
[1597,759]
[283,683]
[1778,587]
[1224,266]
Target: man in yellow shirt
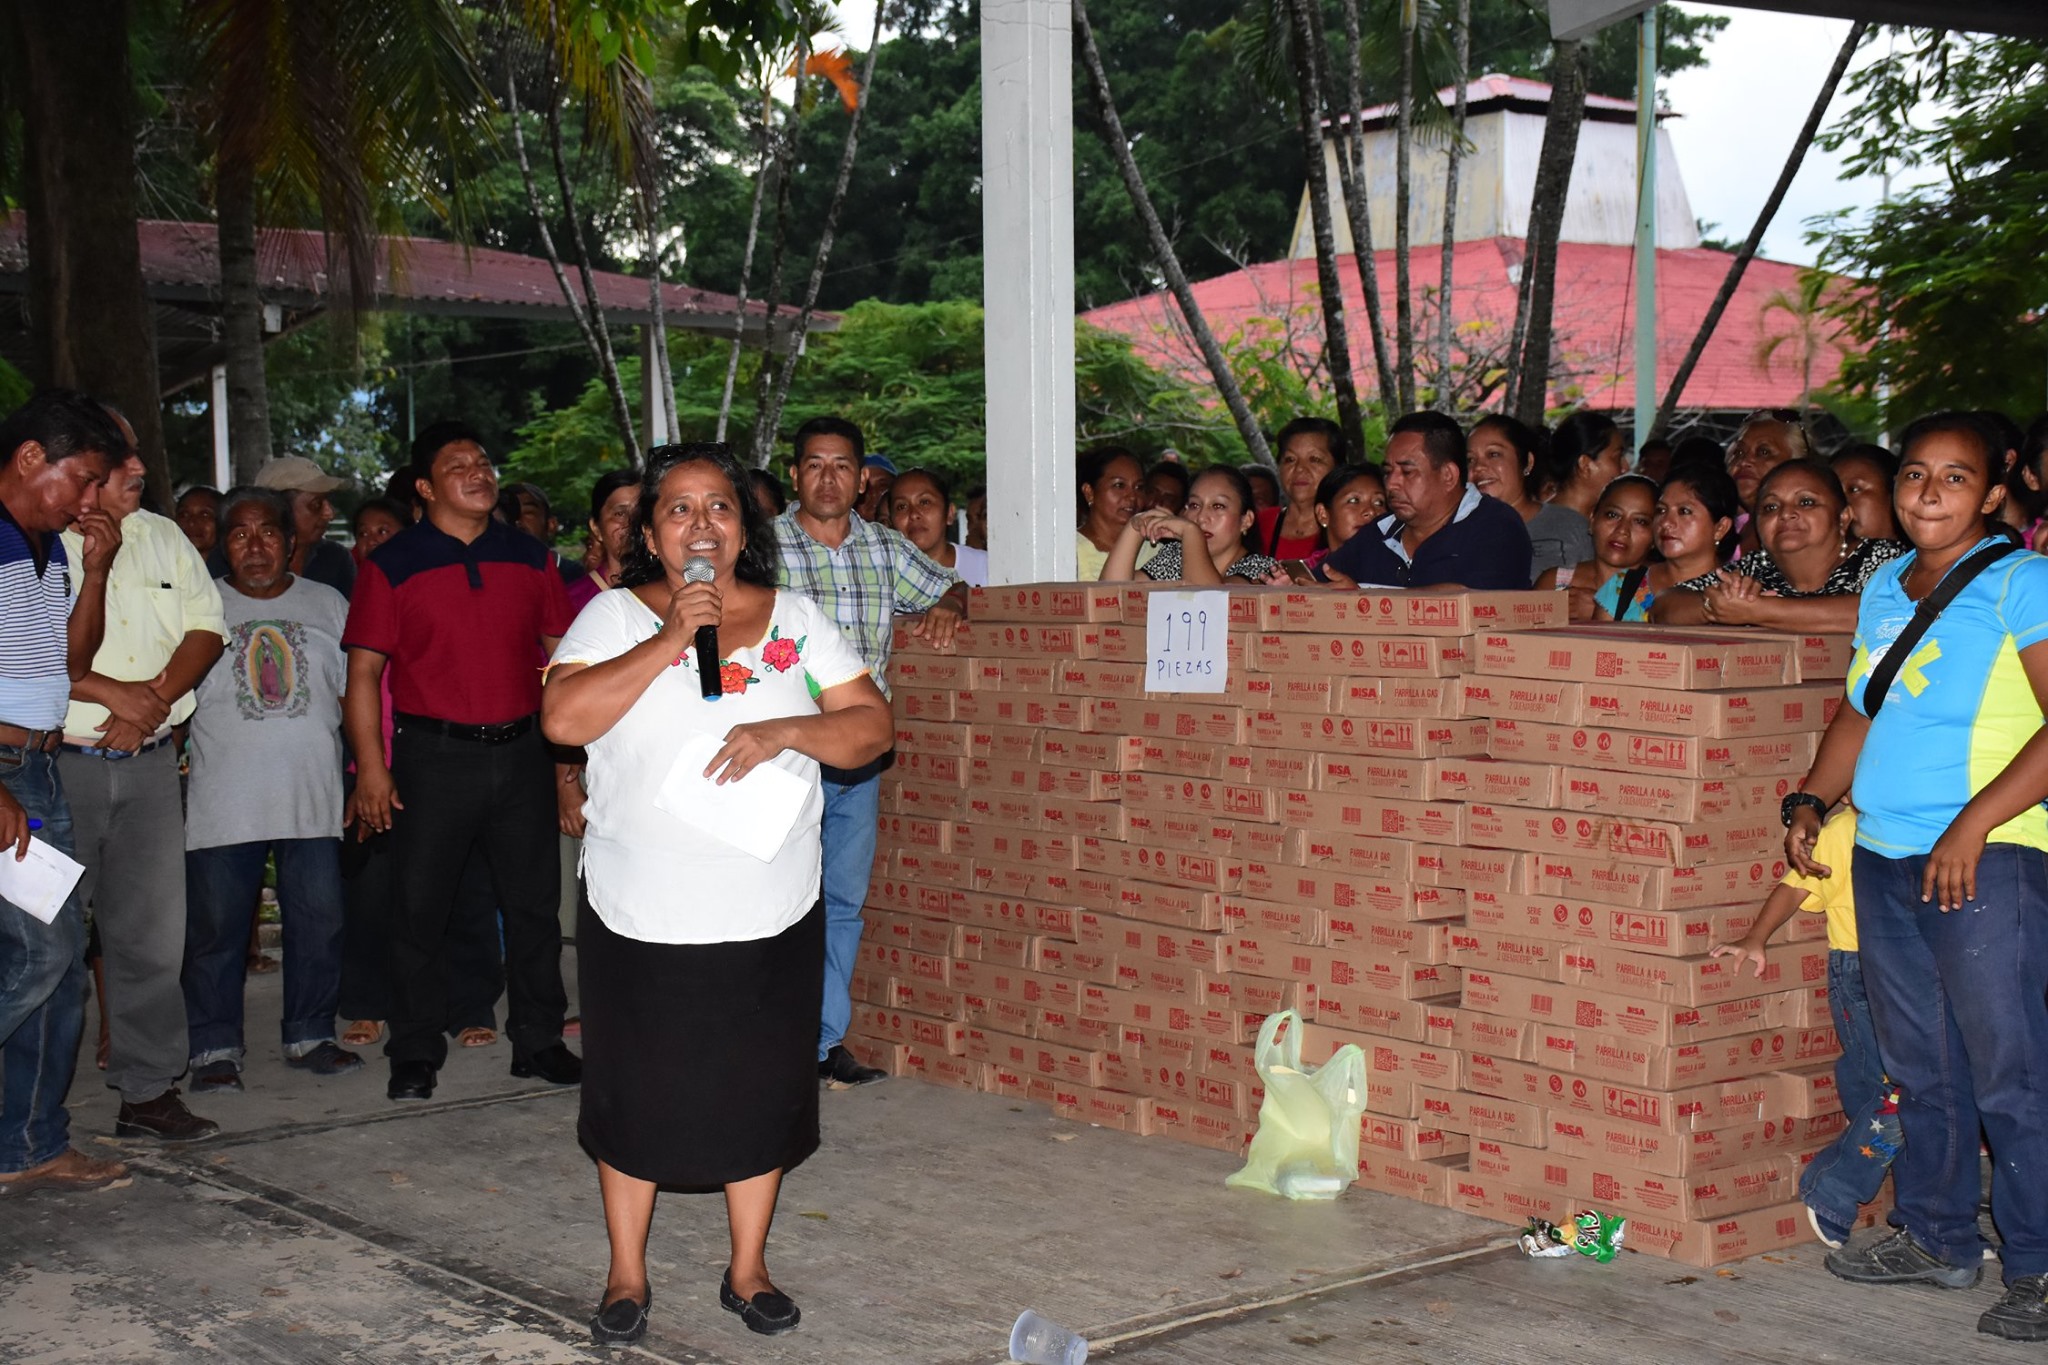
[165,628]
[1846,1174]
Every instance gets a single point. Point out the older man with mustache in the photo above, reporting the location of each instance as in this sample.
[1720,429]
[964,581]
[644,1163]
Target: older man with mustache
[266,783]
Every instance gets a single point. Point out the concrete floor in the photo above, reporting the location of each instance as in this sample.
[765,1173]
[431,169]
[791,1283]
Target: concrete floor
[329,1224]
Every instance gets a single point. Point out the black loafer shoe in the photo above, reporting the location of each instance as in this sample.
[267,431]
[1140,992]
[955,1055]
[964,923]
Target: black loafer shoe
[328,1059]
[411,1081]
[770,1312]
[554,1064]
[841,1069]
[214,1077]
[620,1322]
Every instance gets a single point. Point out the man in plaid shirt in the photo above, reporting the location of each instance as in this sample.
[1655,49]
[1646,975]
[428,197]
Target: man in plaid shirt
[863,575]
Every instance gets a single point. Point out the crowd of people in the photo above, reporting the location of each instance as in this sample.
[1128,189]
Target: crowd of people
[449,744]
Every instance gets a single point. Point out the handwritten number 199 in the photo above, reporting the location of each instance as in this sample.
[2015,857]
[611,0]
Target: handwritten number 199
[1192,623]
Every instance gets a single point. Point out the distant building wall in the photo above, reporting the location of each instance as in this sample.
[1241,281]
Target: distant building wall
[1497,183]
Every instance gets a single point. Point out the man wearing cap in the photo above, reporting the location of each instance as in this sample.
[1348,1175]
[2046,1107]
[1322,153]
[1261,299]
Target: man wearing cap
[877,477]
[863,575]
[462,609]
[317,558]
[54,454]
[165,628]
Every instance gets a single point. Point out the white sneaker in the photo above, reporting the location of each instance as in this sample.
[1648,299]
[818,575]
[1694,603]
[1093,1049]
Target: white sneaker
[1813,1221]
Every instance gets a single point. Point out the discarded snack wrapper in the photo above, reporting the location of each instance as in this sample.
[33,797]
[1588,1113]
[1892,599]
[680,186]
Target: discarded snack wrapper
[1591,1234]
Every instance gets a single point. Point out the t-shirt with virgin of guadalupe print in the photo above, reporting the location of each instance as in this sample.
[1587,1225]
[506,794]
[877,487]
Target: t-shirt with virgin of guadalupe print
[266,737]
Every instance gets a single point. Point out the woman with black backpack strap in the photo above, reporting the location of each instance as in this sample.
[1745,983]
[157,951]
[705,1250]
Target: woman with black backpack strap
[1943,750]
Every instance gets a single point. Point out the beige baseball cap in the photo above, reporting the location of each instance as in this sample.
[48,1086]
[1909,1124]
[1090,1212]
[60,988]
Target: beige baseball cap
[296,474]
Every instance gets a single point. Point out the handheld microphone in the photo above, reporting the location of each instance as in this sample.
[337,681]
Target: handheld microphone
[699,570]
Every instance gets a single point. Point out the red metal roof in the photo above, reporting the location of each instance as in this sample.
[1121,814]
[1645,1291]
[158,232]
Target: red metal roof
[1594,319]
[180,261]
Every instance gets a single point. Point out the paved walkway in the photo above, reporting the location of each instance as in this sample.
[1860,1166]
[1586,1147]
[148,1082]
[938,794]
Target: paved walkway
[329,1224]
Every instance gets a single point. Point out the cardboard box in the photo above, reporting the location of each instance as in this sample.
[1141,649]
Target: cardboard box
[1660,797]
[1649,1021]
[1046,602]
[1822,658]
[1366,735]
[1635,751]
[1579,1135]
[1347,896]
[1622,1186]
[1676,933]
[940,1067]
[1338,851]
[1415,1139]
[1410,779]
[1413,697]
[1719,1105]
[1640,884]
[1477,869]
[1361,1012]
[1632,655]
[1385,817]
[1371,655]
[1068,749]
[1485,697]
[1716,1241]
[1488,1197]
[1411,612]
[1495,782]
[1799,709]
[1691,980]
[1423,1180]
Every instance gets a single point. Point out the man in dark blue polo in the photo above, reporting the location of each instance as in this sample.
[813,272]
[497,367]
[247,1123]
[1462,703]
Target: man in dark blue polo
[463,609]
[1441,531]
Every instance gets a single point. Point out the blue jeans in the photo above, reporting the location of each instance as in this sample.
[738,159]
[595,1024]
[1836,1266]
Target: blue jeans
[1960,1003]
[853,806]
[1846,1174]
[42,985]
[221,888]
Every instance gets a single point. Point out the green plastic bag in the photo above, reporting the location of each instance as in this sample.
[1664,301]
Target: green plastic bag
[1307,1143]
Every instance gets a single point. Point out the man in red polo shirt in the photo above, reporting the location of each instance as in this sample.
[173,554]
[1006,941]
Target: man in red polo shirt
[462,608]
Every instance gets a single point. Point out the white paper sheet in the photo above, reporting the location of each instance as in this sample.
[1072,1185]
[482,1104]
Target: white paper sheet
[40,882]
[754,814]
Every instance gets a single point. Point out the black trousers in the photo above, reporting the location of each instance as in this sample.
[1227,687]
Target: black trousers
[495,802]
[475,969]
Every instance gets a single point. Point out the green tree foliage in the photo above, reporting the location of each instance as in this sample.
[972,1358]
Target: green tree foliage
[1956,309]
[912,376]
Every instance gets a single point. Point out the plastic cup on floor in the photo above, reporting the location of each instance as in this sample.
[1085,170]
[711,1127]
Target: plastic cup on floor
[1038,1340]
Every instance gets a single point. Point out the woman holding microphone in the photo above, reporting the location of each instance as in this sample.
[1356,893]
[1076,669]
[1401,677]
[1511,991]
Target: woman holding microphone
[701,965]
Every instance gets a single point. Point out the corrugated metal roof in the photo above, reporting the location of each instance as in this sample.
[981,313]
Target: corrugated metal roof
[180,261]
[1594,320]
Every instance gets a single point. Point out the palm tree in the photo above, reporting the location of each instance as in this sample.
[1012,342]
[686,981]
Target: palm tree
[1810,332]
[329,111]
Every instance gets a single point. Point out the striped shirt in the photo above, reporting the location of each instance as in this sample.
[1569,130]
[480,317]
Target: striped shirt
[873,576]
[35,611]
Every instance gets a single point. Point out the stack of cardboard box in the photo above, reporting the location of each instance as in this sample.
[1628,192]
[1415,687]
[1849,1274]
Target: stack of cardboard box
[1491,851]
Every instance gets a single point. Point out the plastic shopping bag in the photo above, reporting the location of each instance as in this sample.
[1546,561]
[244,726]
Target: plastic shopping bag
[1307,1143]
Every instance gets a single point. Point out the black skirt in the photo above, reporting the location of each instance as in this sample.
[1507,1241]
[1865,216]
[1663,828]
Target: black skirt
[700,1059]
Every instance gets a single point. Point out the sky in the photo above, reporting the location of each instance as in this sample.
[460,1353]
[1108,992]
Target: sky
[1739,116]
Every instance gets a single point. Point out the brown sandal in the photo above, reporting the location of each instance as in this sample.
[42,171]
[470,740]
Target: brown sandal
[476,1037]
[364,1033]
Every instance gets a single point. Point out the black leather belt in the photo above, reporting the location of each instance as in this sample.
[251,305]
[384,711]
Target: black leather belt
[477,734]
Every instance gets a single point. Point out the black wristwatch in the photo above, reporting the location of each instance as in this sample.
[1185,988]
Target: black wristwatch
[1794,800]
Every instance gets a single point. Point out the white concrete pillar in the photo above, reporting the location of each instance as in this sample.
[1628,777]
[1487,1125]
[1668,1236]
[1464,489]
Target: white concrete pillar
[1646,229]
[653,410]
[1027,221]
[217,405]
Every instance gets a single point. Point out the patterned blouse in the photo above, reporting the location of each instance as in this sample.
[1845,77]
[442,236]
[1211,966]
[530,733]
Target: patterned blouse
[1848,577]
[1165,567]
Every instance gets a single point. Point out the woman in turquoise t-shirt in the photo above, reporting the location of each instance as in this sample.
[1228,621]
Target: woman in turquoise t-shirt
[1951,877]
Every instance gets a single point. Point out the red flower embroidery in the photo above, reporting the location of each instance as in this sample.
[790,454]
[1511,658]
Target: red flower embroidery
[734,678]
[779,653]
